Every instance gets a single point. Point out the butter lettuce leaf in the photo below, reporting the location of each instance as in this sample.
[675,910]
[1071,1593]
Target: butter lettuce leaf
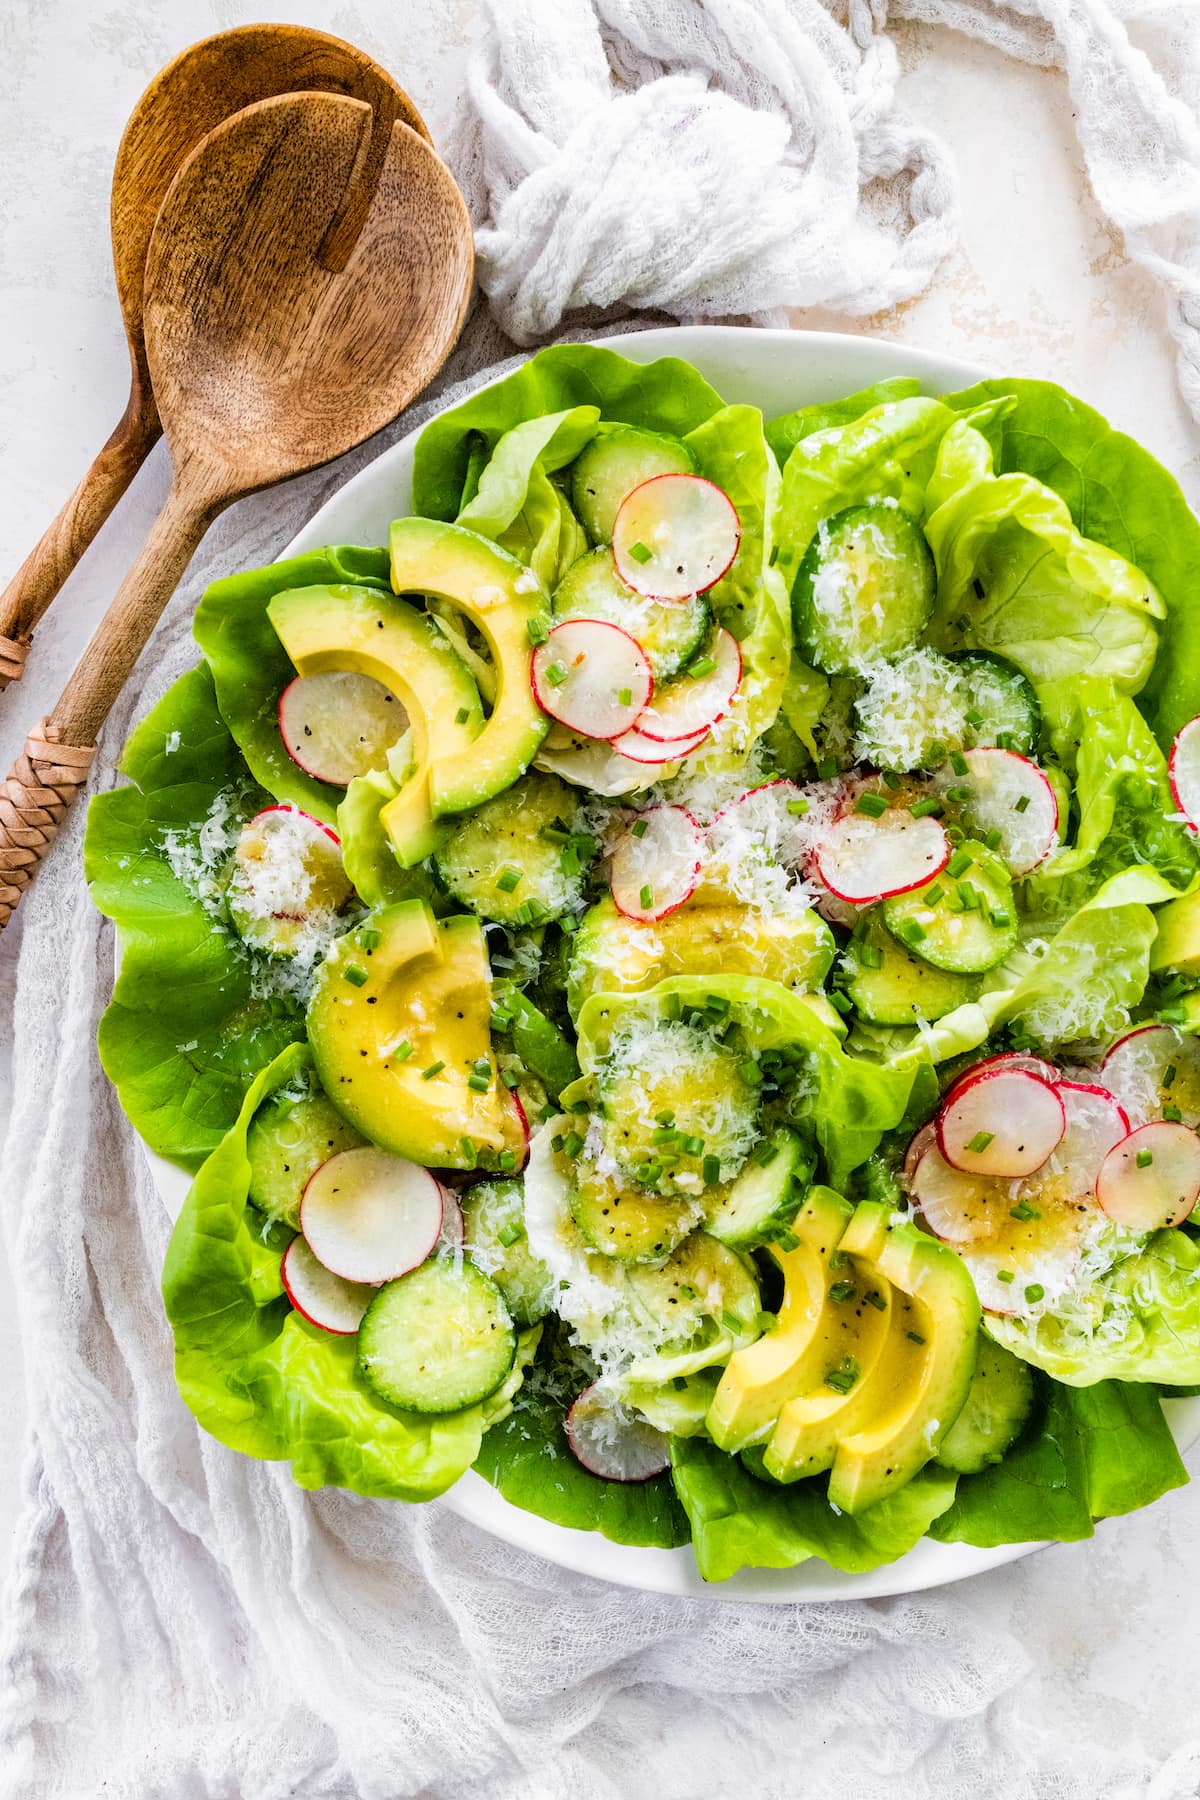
[251,668]
[188,1024]
[1086,1454]
[739,1521]
[786,431]
[516,504]
[263,1380]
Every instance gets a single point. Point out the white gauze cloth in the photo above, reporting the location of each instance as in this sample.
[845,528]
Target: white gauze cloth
[183,1623]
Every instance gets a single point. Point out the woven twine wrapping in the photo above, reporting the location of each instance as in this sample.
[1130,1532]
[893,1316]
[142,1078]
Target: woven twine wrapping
[47,776]
[13,652]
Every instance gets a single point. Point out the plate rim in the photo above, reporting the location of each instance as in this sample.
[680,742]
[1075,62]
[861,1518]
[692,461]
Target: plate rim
[929,1565]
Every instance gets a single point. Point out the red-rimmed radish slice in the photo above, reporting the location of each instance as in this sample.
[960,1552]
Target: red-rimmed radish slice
[369,1216]
[1003,1124]
[451,1237]
[862,859]
[1154,1071]
[612,1442]
[636,747]
[323,1298]
[1095,1121]
[918,1145]
[958,1208]
[1030,1268]
[1184,770]
[656,863]
[833,910]
[674,535]
[339,724]
[591,676]
[692,703]
[1010,795]
[287,874]
[1152,1177]
[1007,1060]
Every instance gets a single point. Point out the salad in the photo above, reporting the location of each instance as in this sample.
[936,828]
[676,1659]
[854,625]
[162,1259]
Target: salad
[678,976]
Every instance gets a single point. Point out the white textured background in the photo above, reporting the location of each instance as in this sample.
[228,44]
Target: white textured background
[1038,287]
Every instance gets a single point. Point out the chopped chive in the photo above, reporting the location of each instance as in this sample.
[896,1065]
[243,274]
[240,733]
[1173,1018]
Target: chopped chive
[955,833]
[556,674]
[731,1322]
[1169,1074]
[926,809]
[912,931]
[872,805]
[1144,1158]
[711,1170]
[511,1078]
[509,879]
[871,956]
[914,1337]
[509,1234]
[842,1290]
[980,1142]
[1000,919]
[959,763]
[355,974]
[934,894]
[403,1051]
[892,780]
[798,808]
[479,1084]
[959,794]
[649,1173]
[788,1240]
[462,715]
[639,828]
[992,838]
[1035,1292]
[1022,1210]
[750,1072]
[937,752]
[501,1018]
[537,630]
[703,665]
[1173,1113]
[1022,804]
[470,1154]
[968,896]
[842,1379]
[1005,740]
[625,697]
[959,863]
[572,1144]
[693,1146]
[1005,1275]
[838,1001]
[663,1134]
[666,1116]
[435,1068]
[646,896]
[874,1298]
[640,553]
[717,1004]
[506,1162]
[369,938]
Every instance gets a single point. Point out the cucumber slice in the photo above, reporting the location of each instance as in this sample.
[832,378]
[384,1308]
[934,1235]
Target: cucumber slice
[613,464]
[964,920]
[670,634]
[517,859]
[677,1114]
[889,985]
[289,1138]
[701,1281]
[864,590]
[1002,707]
[999,1401]
[495,1240]
[766,1196]
[437,1340]
[624,1223]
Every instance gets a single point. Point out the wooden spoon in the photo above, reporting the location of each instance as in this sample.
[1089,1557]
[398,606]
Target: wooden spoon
[189,98]
[264,363]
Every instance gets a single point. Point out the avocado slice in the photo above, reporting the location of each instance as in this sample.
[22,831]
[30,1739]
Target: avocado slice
[500,598]
[1177,946]
[398,1021]
[615,955]
[930,1362]
[359,629]
[761,1378]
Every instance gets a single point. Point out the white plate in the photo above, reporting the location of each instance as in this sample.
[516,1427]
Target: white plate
[777,371]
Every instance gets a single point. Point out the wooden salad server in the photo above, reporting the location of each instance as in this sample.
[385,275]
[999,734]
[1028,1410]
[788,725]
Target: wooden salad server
[264,363]
[189,98]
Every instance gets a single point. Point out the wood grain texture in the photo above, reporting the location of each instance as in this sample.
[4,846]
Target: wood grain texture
[198,91]
[264,361]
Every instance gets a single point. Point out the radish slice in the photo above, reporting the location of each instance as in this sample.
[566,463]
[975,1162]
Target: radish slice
[1007,1059]
[1031,1268]
[864,859]
[674,535]
[591,676]
[654,872]
[1151,1178]
[833,910]
[1003,1124]
[916,1150]
[323,1298]
[369,1216]
[338,724]
[452,1236]
[690,704]
[1010,795]
[1154,1071]
[638,748]
[1184,770]
[519,1135]
[612,1442]
[286,879]
[959,1208]
[1094,1123]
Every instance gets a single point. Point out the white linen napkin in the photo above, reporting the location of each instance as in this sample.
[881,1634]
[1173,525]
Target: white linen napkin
[185,1623]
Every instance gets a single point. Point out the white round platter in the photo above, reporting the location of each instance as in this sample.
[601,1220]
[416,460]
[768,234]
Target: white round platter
[777,371]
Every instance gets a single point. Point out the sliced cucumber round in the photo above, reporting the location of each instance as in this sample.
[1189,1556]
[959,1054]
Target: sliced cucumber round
[615,462]
[678,1114]
[965,920]
[625,1223]
[518,859]
[766,1196]
[701,1281]
[670,633]
[1002,707]
[891,985]
[437,1340]
[864,590]
[289,1138]
[495,1240]
[999,1401]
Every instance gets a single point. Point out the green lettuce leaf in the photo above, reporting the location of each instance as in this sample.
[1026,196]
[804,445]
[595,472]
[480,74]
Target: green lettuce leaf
[1017,577]
[526,1457]
[186,1029]
[251,668]
[517,504]
[1140,1321]
[263,1380]
[1087,1453]
[667,395]
[739,1521]
[786,431]
[1121,496]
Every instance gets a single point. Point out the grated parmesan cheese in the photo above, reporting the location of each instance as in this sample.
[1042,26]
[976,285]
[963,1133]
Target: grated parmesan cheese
[908,706]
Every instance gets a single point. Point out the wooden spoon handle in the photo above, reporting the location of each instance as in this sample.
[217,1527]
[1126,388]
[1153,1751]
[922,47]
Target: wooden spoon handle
[59,750]
[62,544]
